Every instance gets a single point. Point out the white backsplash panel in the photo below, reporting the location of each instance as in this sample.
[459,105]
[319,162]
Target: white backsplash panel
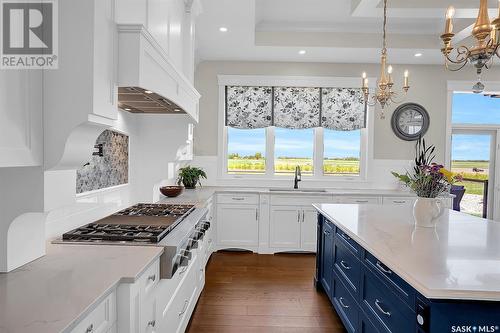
[108,170]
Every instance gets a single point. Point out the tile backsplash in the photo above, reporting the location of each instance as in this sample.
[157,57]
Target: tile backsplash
[108,170]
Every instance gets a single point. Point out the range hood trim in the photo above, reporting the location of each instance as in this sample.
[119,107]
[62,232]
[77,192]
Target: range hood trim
[144,64]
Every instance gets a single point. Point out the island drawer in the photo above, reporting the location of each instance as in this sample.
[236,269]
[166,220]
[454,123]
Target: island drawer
[388,312]
[343,238]
[346,306]
[397,284]
[238,198]
[347,267]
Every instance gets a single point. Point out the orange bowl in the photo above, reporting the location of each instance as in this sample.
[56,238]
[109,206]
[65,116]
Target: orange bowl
[171,191]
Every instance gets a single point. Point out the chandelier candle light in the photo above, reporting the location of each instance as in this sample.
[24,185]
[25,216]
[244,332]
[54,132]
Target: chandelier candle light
[384,94]
[487,36]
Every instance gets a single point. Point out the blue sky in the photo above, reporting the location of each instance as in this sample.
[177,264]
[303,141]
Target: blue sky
[473,109]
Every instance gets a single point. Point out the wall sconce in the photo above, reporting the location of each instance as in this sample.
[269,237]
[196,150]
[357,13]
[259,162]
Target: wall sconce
[99,152]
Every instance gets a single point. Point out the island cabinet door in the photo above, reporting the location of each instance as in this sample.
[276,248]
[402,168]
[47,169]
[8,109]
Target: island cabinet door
[284,231]
[326,255]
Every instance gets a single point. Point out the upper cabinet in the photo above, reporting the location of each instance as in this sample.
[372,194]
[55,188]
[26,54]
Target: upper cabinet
[80,97]
[170,22]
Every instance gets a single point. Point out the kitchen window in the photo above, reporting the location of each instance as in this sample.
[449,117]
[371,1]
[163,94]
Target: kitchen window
[267,130]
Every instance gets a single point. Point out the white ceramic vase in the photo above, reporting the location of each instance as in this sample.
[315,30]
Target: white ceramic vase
[427,211]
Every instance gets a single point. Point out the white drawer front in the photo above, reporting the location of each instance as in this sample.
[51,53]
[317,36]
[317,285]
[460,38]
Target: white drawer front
[176,311]
[101,319]
[299,199]
[238,198]
[149,279]
[360,200]
[399,201]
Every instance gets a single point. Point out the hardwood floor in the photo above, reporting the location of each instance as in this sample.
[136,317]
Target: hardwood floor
[262,293]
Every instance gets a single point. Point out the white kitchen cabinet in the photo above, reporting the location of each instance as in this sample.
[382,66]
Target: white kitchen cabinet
[308,232]
[285,228]
[293,228]
[21,133]
[237,226]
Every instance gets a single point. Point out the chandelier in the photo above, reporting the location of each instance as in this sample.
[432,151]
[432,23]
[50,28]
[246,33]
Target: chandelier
[487,36]
[384,94]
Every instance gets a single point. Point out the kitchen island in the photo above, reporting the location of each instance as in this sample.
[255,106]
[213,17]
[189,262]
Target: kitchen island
[383,274]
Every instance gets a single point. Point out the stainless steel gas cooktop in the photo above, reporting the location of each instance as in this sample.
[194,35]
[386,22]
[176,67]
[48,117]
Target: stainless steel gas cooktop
[141,223]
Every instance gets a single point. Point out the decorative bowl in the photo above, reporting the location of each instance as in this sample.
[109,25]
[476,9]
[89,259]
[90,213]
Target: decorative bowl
[171,191]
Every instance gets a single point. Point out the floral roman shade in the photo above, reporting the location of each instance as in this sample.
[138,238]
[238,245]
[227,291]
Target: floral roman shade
[249,107]
[343,109]
[296,107]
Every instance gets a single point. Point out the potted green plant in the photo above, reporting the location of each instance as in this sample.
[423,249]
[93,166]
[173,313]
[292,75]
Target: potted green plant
[190,176]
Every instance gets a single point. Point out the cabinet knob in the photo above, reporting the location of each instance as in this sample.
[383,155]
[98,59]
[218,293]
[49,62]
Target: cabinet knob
[152,323]
[90,329]
[152,278]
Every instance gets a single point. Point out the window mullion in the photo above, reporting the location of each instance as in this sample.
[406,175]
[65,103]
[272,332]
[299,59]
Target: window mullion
[270,151]
[318,152]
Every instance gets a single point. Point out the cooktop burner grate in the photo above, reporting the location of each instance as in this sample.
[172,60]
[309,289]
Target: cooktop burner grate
[151,222]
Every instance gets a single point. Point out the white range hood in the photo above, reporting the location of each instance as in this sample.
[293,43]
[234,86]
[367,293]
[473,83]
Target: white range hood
[147,78]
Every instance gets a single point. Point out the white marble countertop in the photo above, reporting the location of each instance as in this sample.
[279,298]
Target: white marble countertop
[202,194]
[50,294]
[459,259]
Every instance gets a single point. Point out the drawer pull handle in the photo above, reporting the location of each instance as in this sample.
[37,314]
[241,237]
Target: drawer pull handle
[152,323]
[344,236]
[184,308]
[341,301]
[90,329]
[152,278]
[326,232]
[383,268]
[361,201]
[345,265]
[377,305]
[238,199]
[399,201]
[183,270]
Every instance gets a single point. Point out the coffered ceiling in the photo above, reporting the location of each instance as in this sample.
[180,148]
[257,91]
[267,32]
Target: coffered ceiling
[348,31]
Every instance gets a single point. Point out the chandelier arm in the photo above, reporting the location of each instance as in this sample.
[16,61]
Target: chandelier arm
[451,69]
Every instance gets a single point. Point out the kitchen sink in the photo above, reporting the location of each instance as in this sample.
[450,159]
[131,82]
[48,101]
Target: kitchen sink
[287,189]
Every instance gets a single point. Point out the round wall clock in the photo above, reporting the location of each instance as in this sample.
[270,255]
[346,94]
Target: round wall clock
[410,121]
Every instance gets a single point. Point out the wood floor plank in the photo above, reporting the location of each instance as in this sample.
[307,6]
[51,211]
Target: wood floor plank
[246,293]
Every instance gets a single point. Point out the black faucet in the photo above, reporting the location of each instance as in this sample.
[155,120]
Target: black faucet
[298,177]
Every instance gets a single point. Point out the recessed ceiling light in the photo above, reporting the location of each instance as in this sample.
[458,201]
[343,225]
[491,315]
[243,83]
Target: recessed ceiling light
[418,55]
[223,29]
[127,109]
[301,52]
[148,91]
[177,110]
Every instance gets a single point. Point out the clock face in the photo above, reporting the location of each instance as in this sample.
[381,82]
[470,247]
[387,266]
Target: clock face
[410,121]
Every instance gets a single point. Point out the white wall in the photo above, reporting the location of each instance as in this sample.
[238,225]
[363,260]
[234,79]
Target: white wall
[428,88]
